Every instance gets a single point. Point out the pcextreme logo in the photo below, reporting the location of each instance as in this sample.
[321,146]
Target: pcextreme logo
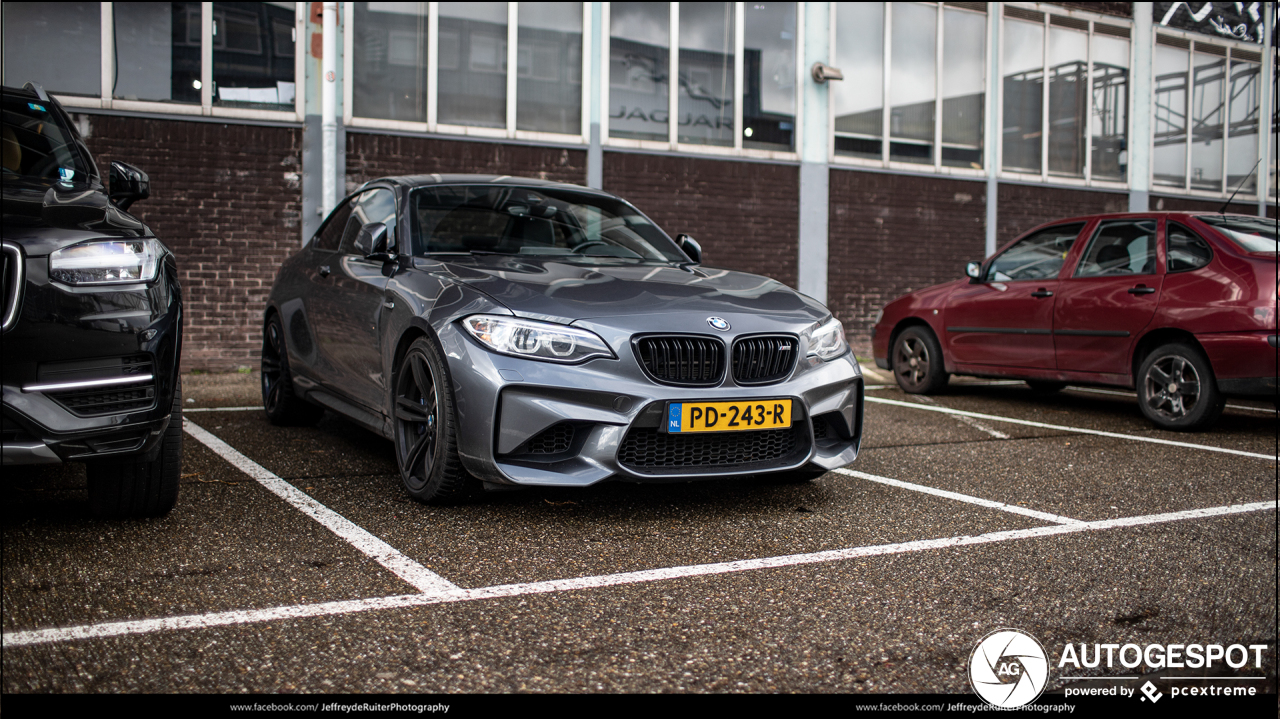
[1008,669]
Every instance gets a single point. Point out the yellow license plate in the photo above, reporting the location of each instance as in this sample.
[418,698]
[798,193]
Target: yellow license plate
[728,416]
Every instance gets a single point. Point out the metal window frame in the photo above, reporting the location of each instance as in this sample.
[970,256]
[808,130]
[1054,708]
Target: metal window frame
[935,167]
[433,126]
[1086,180]
[672,143]
[206,108]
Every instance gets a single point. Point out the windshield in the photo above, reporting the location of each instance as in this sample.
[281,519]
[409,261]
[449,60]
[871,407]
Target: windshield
[1253,234]
[542,221]
[36,146]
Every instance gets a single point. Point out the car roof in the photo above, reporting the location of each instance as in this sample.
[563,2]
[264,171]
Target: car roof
[410,181]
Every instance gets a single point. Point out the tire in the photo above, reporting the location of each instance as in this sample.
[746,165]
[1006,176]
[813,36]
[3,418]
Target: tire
[426,430]
[917,362]
[1194,401]
[136,488]
[283,407]
[1044,386]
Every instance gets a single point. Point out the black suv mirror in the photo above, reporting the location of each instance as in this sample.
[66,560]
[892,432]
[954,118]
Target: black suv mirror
[128,185]
[690,247]
[371,242]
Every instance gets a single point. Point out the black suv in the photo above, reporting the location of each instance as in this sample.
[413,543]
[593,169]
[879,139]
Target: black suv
[92,317]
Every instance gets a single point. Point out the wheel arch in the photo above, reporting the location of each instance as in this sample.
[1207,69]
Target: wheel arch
[1154,339]
[903,325]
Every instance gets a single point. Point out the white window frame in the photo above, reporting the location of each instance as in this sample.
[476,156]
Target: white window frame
[206,108]
[1231,46]
[672,143]
[432,125]
[1044,176]
[912,167]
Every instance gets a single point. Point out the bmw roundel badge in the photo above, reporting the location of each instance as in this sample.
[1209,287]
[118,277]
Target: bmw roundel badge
[718,323]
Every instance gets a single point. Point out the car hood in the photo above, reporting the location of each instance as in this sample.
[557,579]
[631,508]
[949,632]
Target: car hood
[43,218]
[565,290]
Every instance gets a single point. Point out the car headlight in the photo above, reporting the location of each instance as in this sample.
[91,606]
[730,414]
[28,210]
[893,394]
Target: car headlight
[106,262]
[536,340]
[826,340]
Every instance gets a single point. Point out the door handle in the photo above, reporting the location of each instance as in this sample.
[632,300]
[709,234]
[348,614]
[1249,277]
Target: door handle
[1042,292]
[324,270]
[1141,290]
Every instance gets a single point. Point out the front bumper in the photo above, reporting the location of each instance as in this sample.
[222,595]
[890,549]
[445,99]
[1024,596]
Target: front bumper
[591,422]
[67,336]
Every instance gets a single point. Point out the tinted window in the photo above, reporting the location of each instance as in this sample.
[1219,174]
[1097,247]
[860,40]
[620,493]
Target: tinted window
[534,221]
[330,235]
[1120,247]
[1186,250]
[1039,256]
[37,145]
[372,206]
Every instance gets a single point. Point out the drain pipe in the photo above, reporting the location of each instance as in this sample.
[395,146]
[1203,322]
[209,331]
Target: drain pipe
[329,109]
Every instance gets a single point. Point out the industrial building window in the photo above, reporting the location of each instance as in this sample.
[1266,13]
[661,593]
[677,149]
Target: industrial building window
[223,59]
[929,60]
[1064,96]
[733,79]
[485,69]
[56,45]
[1206,116]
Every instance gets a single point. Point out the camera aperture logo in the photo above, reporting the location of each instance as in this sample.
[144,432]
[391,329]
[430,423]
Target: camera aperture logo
[1008,669]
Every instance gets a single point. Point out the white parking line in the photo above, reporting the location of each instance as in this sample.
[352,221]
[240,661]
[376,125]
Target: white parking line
[1013,508]
[1134,395]
[418,576]
[199,621]
[968,420]
[1078,430]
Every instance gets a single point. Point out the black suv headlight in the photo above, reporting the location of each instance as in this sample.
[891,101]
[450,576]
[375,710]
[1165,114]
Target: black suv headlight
[106,262]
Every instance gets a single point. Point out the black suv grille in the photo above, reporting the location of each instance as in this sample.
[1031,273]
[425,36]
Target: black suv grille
[107,400]
[761,360]
[687,360]
[647,450]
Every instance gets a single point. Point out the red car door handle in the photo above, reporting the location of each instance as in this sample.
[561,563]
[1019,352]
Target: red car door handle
[1042,292]
[324,270]
[1141,290]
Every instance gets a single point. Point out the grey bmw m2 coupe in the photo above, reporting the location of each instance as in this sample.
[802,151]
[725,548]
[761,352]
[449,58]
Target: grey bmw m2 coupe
[504,331]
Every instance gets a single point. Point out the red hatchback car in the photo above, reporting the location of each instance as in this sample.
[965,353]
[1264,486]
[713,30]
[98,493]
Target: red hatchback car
[1180,306]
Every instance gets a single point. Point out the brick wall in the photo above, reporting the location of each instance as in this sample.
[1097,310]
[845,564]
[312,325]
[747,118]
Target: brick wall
[894,234]
[1183,204]
[746,215]
[226,199]
[1025,206]
[371,156]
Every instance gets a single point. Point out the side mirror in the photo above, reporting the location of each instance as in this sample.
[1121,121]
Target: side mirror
[974,271]
[371,243]
[128,185]
[690,247]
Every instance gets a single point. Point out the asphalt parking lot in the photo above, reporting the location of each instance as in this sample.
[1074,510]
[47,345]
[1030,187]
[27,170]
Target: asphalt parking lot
[294,562]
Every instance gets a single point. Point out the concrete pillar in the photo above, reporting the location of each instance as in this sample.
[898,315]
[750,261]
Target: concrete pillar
[1266,101]
[1140,132]
[814,139]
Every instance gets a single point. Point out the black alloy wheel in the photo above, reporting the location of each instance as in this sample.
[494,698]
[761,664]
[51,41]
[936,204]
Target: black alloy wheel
[917,361]
[283,407]
[140,487]
[1177,390]
[425,431]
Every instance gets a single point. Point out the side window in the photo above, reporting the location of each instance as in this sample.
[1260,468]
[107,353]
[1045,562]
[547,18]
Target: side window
[1037,257]
[1186,250]
[1120,247]
[379,206]
[354,224]
[330,234]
